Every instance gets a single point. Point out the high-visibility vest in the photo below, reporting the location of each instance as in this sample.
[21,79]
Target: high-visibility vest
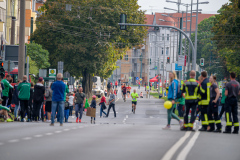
[206,101]
[191,88]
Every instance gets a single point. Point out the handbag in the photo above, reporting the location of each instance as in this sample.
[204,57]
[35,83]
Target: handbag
[104,106]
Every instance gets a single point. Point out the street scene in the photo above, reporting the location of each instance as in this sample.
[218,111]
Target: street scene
[126,79]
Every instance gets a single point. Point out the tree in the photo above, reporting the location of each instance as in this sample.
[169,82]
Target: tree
[88,38]
[226,34]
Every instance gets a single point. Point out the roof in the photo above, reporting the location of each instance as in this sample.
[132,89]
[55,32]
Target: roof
[149,19]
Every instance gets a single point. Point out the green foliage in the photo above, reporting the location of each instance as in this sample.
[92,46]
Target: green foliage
[226,34]
[80,37]
[38,55]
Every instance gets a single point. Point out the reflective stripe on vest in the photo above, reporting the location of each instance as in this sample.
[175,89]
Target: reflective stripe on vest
[194,96]
[206,101]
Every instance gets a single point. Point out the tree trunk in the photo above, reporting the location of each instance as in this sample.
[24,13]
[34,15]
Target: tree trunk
[87,84]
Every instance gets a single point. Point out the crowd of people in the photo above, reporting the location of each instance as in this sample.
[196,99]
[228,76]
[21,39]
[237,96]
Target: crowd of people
[203,97]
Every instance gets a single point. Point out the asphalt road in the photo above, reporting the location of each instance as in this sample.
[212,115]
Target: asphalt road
[128,137]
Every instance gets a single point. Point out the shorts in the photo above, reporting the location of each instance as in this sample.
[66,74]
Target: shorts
[124,93]
[128,91]
[48,106]
[134,102]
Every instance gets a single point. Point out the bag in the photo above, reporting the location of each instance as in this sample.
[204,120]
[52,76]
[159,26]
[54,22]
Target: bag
[91,112]
[104,106]
[109,85]
[179,92]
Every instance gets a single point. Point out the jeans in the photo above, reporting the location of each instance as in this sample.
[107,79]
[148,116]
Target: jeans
[102,111]
[70,110]
[79,108]
[36,109]
[16,110]
[60,105]
[219,109]
[66,114]
[111,106]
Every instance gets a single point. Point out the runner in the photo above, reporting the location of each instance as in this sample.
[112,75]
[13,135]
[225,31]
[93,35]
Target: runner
[134,96]
[128,91]
[124,90]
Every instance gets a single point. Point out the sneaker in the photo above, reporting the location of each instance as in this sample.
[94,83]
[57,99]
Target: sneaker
[80,120]
[9,120]
[77,120]
[51,124]
[61,124]
[167,127]
[181,123]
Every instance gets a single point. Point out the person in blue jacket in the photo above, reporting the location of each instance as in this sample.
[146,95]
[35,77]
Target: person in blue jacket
[172,96]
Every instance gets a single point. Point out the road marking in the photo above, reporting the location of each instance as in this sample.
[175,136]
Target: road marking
[39,135]
[27,138]
[48,134]
[117,99]
[13,141]
[183,154]
[66,129]
[175,147]
[126,116]
[58,131]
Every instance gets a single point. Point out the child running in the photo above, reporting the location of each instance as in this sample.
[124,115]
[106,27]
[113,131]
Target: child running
[93,105]
[66,109]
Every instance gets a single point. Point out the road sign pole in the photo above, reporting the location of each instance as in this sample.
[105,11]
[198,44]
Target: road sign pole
[27,68]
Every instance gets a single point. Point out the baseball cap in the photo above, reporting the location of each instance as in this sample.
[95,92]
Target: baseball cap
[40,79]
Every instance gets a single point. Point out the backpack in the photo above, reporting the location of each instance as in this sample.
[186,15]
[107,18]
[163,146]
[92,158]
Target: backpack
[109,85]
[179,92]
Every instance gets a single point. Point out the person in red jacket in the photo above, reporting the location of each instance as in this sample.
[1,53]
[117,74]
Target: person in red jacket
[116,84]
[103,105]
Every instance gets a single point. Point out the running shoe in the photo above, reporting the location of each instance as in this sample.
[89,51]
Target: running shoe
[80,120]
[9,120]
[167,127]
[77,120]
[181,123]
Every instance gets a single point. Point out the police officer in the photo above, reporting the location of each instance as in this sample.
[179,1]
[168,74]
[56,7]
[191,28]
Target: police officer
[192,89]
[205,99]
[213,107]
[232,90]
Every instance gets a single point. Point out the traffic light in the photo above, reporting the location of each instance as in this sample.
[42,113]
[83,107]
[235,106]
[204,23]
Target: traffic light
[2,71]
[123,19]
[168,59]
[202,62]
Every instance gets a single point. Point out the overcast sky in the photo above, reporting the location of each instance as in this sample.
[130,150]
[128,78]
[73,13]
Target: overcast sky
[158,5]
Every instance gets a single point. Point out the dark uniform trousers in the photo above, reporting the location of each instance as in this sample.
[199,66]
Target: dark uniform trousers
[204,117]
[193,107]
[231,107]
[212,120]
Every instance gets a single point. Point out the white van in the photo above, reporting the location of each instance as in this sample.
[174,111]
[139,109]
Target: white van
[97,87]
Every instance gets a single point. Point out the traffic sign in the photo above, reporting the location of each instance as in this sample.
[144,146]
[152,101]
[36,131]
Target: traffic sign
[137,78]
[6,64]
[71,81]
[52,72]
[182,60]
[155,68]
[140,79]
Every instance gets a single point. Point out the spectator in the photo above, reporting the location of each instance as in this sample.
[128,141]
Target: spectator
[38,98]
[141,95]
[30,102]
[103,104]
[1,88]
[24,96]
[4,111]
[5,91]
[71,97]
[79,101]
[48,105]
[66,109]
[111,103]
[58,94]
[93,105]
[10,93]
[15,100]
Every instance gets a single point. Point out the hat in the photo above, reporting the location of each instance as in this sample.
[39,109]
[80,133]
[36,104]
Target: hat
[93,96]
[40,79]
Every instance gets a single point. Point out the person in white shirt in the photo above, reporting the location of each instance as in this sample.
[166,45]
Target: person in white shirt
[71,97]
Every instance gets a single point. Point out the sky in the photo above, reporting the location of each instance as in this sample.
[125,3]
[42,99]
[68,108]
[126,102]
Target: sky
[158,5]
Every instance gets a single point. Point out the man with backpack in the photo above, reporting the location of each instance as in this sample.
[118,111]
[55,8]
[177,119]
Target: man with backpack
[108,88]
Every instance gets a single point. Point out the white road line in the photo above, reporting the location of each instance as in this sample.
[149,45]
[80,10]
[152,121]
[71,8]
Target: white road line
[1,144]
[175,147]
[183,154]
[13,141]
[48,134]
[126,116]
[39,135]
[27,138]
[58,131]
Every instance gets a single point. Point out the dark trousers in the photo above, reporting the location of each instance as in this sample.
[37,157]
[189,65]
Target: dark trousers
[30,112]
[113,107]
[204,117]
[5,101]
[42,112]
[213,117]
[70,110]
[189,106]
[231,110]
[180,110]
[222,111]
[36,108]
[24,108]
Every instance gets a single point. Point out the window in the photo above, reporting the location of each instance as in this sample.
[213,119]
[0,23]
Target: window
[161,65]
[167,50]
[126,57]
[167,37]
[163,37]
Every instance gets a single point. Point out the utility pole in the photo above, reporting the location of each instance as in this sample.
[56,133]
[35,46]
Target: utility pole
[13,31]
[164,52]
[21,52]
[189,48]
[195,51]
